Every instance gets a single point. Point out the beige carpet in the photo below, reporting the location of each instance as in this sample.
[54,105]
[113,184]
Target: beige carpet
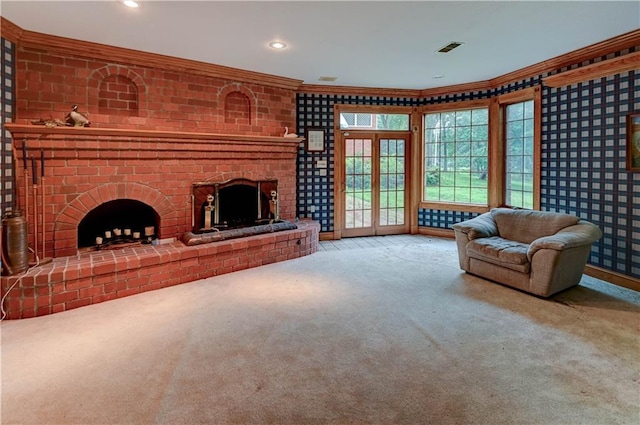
[394,333]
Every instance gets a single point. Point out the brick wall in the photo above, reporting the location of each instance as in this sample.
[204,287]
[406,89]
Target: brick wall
[49,83]
[154,132]
[84,169]
[118,96]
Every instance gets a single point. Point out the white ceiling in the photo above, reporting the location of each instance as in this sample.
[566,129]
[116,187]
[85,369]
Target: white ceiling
[387,44]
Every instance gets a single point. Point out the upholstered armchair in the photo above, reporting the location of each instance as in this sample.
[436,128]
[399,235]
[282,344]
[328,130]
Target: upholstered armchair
[535,251]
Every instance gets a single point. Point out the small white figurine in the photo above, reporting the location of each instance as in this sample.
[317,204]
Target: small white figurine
[287,134]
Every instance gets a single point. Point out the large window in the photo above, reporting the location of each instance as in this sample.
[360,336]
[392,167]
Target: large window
[456,146]
[519,155]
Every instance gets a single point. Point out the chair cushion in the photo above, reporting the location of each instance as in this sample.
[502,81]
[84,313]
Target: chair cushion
[527,225]
[502,252]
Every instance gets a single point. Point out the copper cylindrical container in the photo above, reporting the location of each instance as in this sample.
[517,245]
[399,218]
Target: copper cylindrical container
[15,250]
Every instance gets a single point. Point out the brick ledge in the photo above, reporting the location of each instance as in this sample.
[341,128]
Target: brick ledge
[98,276]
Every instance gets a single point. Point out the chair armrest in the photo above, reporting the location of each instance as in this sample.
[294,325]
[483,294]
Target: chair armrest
[583,233]
[482,226]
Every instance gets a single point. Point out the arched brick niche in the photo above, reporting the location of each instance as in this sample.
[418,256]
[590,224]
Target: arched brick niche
[66,224]
[118,95]
[239,106]
[117,90]
[237,109]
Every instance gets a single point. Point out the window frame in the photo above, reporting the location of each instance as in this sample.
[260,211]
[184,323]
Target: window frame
[356,126]
[413,155]
[374,110]
[497,192]
[453,107]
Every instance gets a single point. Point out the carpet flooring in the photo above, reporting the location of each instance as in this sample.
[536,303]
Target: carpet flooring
[384,330]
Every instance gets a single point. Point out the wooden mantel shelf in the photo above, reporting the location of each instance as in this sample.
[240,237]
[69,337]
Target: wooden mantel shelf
[24,130]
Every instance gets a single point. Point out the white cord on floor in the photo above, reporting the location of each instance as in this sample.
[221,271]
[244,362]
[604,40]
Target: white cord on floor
[26,272]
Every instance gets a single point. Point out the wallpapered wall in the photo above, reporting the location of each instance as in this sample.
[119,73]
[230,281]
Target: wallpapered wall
[7,85]
[316,111]
[583,159]
[583,156]
[584,164]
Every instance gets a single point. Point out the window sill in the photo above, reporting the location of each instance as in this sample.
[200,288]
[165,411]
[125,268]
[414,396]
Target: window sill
[447,206]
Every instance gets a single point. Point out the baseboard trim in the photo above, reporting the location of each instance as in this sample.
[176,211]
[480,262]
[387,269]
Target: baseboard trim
[613,277]
[435,231]
[326,236]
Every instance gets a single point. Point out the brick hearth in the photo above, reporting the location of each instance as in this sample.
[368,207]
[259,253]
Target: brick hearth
[87,167]
[156,125]
[94,277]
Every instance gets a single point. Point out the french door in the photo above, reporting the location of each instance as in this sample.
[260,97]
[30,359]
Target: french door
[374,189]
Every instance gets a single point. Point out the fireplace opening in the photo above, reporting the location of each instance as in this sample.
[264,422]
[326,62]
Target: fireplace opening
[238,205]
[234,209]
[118,221]
[234,204]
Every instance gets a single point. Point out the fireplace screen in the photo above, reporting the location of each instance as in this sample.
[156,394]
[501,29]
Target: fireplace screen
[233,204]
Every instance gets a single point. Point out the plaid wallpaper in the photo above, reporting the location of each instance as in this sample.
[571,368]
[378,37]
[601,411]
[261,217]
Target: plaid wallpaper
[583,156]
[584,164]
[7,64]
[315,191]
[583,159]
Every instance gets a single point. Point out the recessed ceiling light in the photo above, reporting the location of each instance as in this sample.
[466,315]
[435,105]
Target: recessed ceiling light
[278,45]
[438,76]
[131,3]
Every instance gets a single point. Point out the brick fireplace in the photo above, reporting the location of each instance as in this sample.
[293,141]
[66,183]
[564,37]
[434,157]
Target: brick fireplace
[85,168]
[159,125]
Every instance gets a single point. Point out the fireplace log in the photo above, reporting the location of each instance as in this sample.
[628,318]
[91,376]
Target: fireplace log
[190,238]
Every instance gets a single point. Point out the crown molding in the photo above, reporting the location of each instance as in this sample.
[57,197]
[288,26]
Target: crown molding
[611,45]
[357,91]
[9,30]
[92,50]
[624,41]
[590,72]
[455,89]
[123,55]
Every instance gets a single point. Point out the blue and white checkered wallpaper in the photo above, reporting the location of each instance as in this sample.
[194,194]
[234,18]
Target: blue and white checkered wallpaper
[584,164]
[315,192]
[583,156]
[7,85]
[583,159]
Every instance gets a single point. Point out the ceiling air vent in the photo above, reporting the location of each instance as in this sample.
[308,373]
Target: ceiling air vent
[449,47]
[327,78]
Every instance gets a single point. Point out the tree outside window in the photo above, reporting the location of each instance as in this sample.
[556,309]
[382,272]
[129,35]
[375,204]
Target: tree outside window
[456,145]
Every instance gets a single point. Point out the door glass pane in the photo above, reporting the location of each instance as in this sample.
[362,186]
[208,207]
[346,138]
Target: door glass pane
[392,176]
[358,183]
